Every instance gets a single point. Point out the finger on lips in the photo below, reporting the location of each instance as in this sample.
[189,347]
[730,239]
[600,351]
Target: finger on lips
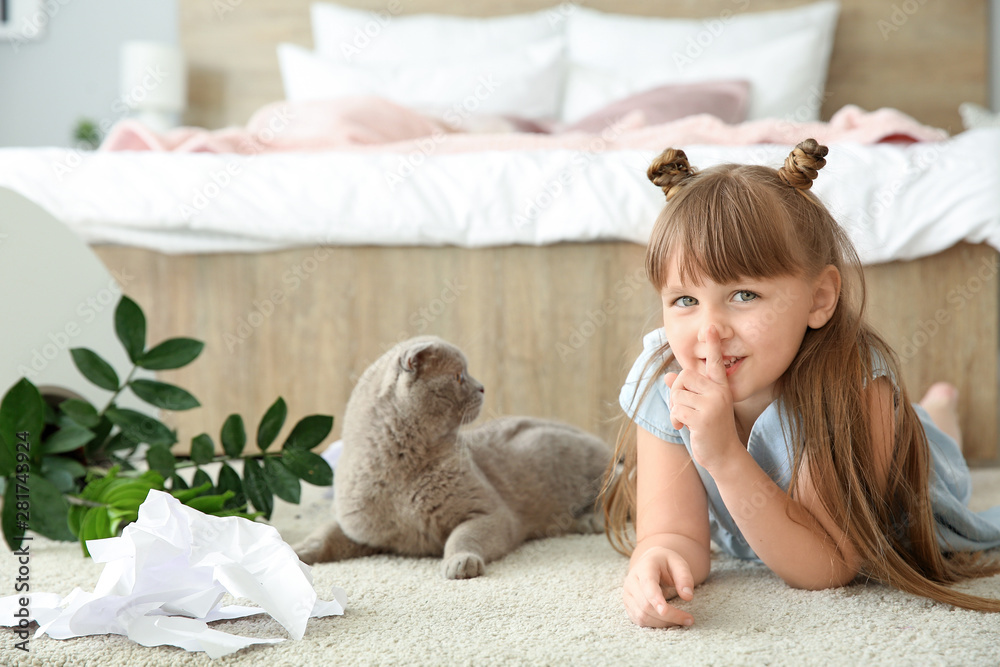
[714,366]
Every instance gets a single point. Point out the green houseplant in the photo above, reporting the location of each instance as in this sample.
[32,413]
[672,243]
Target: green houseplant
[68,469]
[86,134]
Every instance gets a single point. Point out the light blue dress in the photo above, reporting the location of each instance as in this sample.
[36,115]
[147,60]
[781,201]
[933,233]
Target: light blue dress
[959,529]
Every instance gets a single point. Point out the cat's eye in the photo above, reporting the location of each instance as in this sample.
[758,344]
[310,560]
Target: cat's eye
[460,377]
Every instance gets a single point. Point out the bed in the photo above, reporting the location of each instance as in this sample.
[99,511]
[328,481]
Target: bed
[550,315]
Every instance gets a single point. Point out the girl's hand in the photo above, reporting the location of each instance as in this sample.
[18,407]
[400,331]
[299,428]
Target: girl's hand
[657,575]
[701,400]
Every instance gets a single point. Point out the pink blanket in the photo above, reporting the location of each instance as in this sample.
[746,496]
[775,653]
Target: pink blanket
[374,124]
[285,126]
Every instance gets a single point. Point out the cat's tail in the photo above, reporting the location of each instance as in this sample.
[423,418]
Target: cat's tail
[329,543]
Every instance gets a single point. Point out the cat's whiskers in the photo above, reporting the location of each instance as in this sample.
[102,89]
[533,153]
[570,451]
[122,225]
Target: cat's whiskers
[471,409]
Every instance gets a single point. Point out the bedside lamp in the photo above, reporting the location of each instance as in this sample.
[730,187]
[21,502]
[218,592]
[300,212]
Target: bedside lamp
[153,83]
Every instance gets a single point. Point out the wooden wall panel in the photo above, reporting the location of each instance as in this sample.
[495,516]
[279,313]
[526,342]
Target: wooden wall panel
[924,57]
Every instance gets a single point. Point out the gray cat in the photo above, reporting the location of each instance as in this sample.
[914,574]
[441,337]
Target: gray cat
[410,482]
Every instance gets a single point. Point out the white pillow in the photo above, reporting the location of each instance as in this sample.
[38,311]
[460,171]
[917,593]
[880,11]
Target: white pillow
[794,96]
[527,82]
[975,116]
[642,52]
[358,36]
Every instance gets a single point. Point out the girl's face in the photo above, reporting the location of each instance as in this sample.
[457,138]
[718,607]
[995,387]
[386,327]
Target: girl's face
[761,323]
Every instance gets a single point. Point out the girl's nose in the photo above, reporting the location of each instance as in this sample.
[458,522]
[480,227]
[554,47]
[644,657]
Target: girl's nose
[725,331]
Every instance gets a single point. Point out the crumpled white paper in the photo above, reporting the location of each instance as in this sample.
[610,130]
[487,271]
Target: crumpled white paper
[166,575]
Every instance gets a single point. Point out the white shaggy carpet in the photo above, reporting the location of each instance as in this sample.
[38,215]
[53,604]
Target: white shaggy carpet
[552,602]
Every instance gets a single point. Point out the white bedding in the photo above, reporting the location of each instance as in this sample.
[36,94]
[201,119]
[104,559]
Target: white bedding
[898,202]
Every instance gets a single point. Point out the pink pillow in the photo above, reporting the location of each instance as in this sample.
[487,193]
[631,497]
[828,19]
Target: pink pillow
[726,100]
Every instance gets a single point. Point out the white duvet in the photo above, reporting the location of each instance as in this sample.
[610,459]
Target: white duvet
[897,202]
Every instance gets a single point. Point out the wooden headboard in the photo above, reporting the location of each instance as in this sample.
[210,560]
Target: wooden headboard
[924,58]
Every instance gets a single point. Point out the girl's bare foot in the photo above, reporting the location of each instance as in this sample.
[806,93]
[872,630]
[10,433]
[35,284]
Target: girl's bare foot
[941,403]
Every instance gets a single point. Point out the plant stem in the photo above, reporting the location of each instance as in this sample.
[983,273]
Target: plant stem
[120,389]
[224,458]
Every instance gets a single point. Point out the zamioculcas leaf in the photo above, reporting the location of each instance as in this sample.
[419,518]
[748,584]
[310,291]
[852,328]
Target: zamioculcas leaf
[63,472]
[161,460]
[202,449]
[130,327]
[140,427]
[284,484]
[60,478]
[101,432]
[256,487]
[67,439]
[22,411]
[8,459]
[82,412]
[229,480]
[94,368]
[309,432]
[119,441]
[163,395]
[201,478]
[49,510]
[307,466]
[271,423]
[172,353]
[177,483]
[234,436]
[12,535]
[50,416]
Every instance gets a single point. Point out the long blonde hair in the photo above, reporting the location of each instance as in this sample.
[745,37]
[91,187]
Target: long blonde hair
[735,222]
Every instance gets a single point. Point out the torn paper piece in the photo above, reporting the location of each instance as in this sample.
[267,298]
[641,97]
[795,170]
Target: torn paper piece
[176,563]
[190,634]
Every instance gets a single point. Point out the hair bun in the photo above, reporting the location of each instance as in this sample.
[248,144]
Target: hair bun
[669,171]
[802,164]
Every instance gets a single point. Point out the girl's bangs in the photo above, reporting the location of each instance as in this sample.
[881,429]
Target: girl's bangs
[723,229]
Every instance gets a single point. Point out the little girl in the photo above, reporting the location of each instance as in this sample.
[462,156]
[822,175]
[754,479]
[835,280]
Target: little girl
[770,418]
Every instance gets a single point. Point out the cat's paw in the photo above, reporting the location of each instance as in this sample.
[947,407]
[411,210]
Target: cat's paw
[309,551]
[463,566]
[588,523]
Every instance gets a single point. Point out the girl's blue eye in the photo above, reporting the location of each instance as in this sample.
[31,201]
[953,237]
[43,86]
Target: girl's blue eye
[685,301]
[745,295]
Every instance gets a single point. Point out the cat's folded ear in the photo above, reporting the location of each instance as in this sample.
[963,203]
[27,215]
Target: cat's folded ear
[416,355]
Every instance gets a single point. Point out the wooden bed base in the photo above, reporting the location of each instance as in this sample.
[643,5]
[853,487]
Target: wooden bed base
[551,331]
